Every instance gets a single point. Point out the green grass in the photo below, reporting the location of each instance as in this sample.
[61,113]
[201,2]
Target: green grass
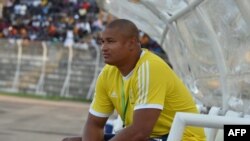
[48,97]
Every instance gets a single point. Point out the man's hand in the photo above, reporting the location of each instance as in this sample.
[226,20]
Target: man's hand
[142,126]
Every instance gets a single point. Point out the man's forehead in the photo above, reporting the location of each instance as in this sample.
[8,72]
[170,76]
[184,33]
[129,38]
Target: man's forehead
[113,29]
[111,32]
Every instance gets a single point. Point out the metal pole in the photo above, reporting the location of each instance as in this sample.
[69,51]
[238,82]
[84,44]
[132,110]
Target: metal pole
[97,65]
[243,6]
[17,74]
[181,13]
[220,61]
[40,84]
[201,120]
[65,88]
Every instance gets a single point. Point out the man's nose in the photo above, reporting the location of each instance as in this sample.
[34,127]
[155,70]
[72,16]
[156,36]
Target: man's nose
[103,47]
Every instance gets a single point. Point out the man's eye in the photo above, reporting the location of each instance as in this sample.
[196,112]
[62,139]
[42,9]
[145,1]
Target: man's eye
[101,41]
[110,41]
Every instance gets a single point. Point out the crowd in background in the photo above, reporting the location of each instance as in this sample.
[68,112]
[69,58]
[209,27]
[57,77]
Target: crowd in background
[68,21]
[49,19]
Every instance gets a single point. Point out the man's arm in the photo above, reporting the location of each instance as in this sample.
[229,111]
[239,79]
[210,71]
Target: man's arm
[93,129]
[143,123]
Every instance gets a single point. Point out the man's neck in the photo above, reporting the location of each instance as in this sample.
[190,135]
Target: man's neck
[130,64]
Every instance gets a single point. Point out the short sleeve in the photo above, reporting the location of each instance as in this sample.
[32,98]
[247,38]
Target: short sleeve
[154,84]
[101,105]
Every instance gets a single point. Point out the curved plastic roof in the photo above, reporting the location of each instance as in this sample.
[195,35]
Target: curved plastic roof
[207,41]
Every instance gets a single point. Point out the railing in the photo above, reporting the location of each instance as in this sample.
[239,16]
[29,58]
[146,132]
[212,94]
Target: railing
[46,68]
[201,120]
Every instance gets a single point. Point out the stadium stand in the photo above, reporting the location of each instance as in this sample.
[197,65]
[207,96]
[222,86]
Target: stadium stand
[51,47]
[26,75]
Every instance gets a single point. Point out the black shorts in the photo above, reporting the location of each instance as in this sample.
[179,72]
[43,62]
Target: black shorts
[163,138]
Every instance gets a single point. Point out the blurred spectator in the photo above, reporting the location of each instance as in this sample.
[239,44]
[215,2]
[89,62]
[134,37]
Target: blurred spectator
[69,41]
[150,44]
[48,19]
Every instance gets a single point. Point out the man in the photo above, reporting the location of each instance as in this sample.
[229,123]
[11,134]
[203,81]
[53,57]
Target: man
[140,86]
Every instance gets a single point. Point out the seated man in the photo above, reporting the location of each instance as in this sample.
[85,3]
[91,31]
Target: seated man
[140,86]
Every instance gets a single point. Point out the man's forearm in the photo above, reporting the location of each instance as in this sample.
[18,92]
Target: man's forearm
[92,134]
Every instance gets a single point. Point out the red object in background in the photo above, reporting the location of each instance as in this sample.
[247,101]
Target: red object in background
[52,30]
[85,5]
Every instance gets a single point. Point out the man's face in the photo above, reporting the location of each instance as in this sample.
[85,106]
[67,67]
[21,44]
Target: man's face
[115,47]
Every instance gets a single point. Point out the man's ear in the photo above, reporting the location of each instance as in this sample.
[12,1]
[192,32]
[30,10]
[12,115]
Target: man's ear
[135,41]
[132,43]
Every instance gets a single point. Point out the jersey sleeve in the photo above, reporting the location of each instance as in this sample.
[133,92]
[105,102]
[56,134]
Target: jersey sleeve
[153,85]
[101,105]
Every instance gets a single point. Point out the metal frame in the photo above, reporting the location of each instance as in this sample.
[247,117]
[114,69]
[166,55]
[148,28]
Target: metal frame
[97,67]
[66,84]
[200,120]
[40,84]
[243,6]
[18,66]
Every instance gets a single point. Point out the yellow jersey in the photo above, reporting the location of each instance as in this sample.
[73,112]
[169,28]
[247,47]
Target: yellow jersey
[151,84]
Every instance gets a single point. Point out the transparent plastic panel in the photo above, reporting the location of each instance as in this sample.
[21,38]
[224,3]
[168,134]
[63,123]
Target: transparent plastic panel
[168,7]
[191,53]
[231,31]
[177,54]
[207,90]
[141,16]
[198,44]
[238,96]
[234,37]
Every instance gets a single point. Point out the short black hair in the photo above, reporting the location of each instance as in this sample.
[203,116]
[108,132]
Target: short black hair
[127,27]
